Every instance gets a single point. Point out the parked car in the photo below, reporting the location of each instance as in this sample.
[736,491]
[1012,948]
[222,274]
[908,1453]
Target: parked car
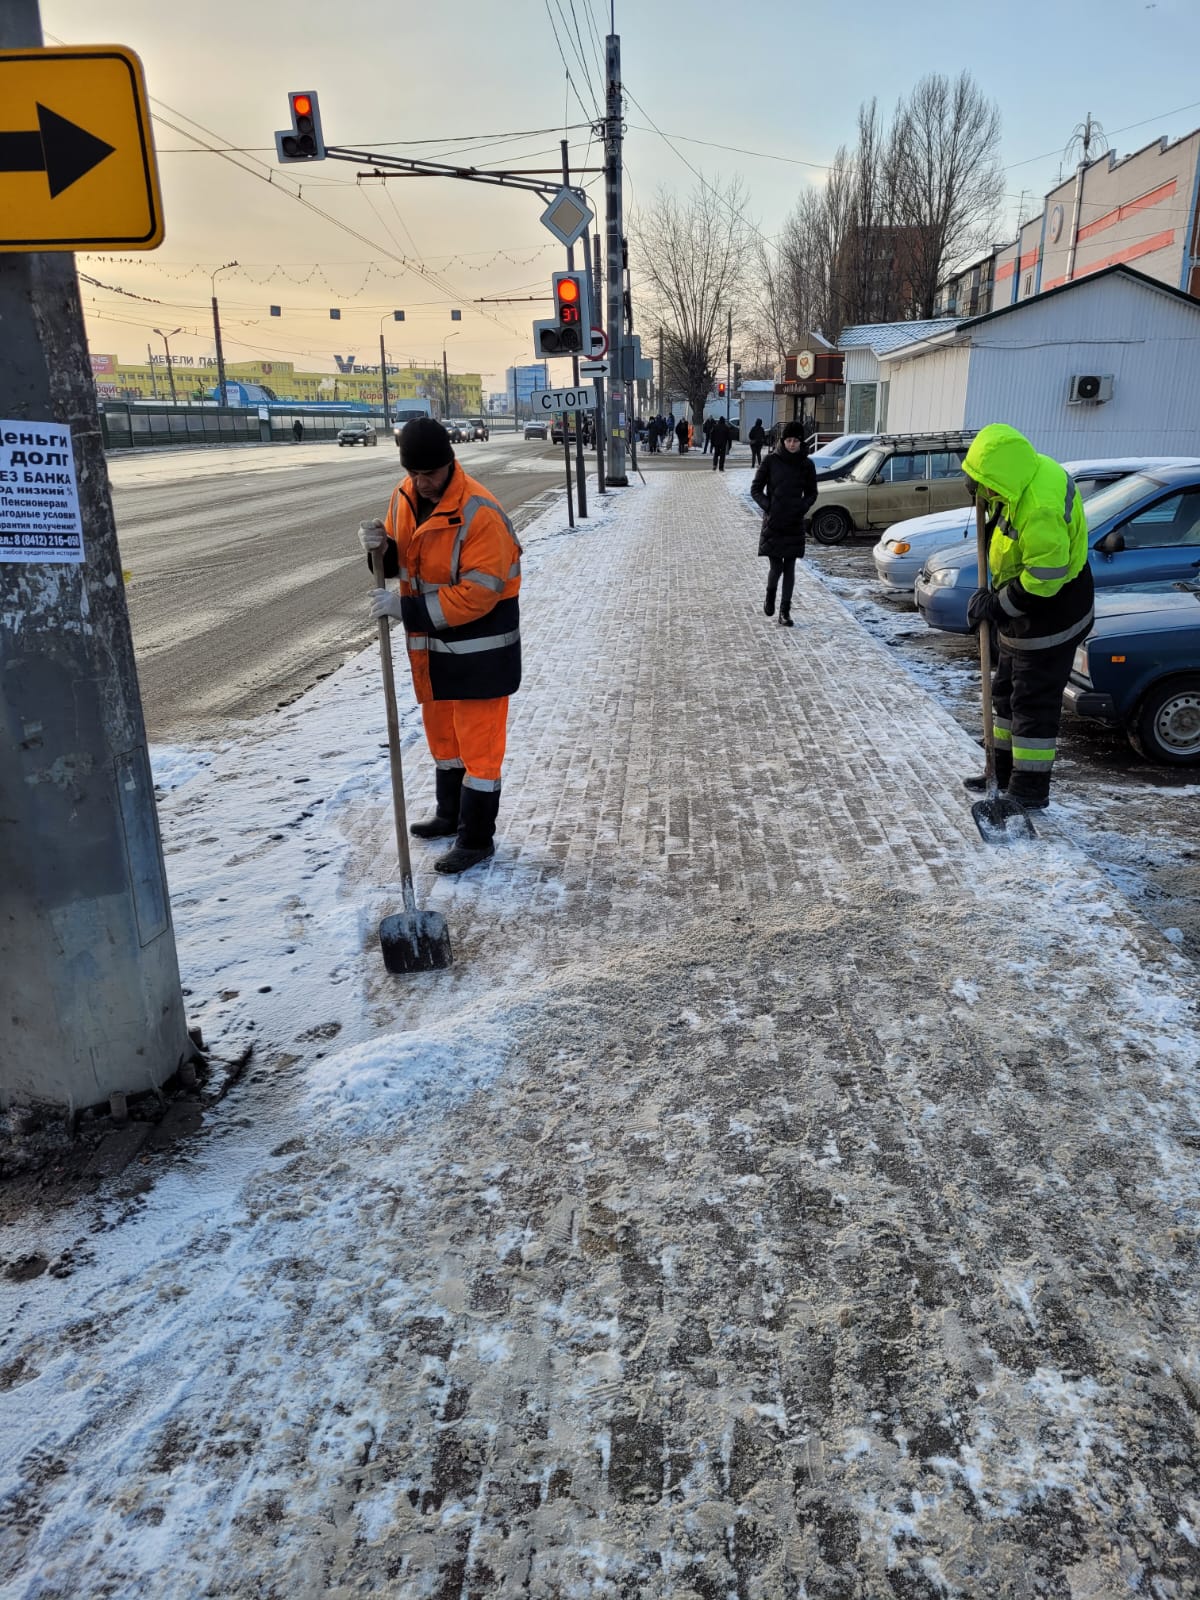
[1144,529]
[536,429]
[357,433]
[1139,669]
[837,450]
[904,548]
[842,467]
[479,428]
[900,475]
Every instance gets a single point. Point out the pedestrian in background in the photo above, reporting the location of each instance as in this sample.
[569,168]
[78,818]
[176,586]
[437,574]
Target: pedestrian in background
[682,432]
[785,487]
[671,434]
[720,435]
[708,431]
[757,438]
[459,565]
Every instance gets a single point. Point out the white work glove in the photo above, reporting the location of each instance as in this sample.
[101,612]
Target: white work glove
[386,603]
[372,536]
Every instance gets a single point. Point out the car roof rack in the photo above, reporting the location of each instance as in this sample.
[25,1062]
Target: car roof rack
[958,436]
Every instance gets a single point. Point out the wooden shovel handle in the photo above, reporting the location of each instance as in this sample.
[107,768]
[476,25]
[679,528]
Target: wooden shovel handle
[985,653]
[393,727]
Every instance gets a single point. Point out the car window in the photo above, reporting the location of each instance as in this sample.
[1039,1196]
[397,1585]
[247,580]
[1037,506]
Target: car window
[1172,521]
[909,468]
[945,463]
[1094,482]
[867,467]
[1118,497]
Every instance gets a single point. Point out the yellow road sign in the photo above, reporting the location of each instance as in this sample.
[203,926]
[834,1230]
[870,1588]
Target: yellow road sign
[77,168]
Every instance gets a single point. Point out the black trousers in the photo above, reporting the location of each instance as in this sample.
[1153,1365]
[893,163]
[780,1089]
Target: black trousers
[719,458]
[755,454]
[785,567]
[1027,691]
[707,442]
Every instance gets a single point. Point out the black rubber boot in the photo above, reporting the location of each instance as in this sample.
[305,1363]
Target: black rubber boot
[785,619]
[978,784]
[1031,790]
[449,783]
[769,604]
[476,831]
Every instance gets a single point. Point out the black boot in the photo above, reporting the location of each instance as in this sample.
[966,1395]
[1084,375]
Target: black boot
[449,787]
[785,619]
[1004,766]
[476,830]
[769,604]
[1031,790]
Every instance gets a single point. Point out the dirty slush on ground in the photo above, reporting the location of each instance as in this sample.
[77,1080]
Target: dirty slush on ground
[763,1265]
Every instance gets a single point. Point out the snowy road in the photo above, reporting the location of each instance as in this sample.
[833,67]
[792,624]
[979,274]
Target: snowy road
[247,585]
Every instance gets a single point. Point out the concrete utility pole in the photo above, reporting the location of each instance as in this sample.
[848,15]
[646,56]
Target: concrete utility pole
[166,338]
[212,278]
[92,1003]
[594,284]
[612,217]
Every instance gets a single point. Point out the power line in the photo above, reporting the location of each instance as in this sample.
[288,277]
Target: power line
[563,59]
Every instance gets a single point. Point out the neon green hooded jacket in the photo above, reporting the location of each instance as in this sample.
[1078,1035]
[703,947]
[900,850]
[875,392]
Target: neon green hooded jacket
[1040,542]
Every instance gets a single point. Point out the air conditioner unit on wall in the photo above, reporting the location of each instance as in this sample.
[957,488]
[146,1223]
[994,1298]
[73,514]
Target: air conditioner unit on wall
[1090,388]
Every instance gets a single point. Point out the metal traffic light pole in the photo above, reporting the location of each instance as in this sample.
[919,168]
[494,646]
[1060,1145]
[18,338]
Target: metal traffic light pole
[580,469]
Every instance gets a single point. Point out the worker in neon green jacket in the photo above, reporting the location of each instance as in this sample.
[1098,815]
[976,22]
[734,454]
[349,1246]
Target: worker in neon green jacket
[1039,601]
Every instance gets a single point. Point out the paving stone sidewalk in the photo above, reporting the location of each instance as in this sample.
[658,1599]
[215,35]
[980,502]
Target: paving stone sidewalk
[801,1203]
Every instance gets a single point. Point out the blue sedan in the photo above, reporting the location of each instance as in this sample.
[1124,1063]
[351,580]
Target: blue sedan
[1139,669]
[1145,529]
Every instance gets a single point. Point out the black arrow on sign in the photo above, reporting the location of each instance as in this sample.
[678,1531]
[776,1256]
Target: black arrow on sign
[61,150]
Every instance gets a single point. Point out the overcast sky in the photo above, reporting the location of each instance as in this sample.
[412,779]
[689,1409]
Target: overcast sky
[784,81]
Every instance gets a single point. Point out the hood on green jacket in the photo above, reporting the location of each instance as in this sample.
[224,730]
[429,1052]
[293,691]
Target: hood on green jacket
[1002,460]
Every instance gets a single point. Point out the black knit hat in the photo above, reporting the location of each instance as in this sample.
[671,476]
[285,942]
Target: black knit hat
[424,445]
[793,430]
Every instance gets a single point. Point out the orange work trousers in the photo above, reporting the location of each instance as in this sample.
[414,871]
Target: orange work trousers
[470,734]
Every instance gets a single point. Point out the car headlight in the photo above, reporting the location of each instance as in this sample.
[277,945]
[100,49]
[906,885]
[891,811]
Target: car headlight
[944,578]
[1080,664]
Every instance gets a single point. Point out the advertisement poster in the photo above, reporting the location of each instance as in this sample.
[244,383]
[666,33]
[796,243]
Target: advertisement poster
[39,502]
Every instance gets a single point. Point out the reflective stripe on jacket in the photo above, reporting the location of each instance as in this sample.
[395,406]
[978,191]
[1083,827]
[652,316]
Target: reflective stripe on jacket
[464,562]
[1038,554]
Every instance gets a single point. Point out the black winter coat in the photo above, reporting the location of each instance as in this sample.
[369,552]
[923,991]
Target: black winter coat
[785,486]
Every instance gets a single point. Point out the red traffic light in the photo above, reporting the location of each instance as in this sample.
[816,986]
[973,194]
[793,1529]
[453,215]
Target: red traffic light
[720,388]
[568,290]
[301,105]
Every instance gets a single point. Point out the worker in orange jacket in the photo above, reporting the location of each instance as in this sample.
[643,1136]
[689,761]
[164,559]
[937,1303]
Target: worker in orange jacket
[459,565]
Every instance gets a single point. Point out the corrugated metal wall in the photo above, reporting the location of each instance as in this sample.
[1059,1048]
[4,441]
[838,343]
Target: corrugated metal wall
[929,392]
[1022,364]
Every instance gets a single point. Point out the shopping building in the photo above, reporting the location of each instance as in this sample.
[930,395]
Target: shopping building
[195,378]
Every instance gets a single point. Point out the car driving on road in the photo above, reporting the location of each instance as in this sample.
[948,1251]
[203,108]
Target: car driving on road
[1144,529]
[358,433]
[537,429]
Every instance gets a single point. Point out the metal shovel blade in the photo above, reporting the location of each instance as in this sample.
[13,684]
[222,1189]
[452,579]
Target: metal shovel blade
[1001,820]
[415,941]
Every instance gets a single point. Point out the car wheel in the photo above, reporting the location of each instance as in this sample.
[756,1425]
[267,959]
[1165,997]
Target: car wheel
[1168,724]
[830,526]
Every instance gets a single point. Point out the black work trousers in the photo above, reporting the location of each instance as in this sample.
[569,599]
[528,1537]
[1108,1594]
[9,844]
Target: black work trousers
[719,457]
[785,567]
[755,453]
[1027,691]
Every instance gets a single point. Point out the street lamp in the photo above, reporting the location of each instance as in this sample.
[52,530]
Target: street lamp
[396,316]
[212,279]
[446,372]
[166,346]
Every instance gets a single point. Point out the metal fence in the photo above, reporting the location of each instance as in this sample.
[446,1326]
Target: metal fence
[126,427]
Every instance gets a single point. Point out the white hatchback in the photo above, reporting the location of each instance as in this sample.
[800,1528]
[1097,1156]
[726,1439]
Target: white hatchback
[904,548]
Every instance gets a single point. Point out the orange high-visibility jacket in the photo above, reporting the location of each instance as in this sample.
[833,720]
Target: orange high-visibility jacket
[464,562]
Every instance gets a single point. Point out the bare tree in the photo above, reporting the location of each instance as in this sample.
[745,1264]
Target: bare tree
[691,257]
[950,183]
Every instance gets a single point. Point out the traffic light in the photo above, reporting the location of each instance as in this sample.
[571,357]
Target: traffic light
[568,331]
[721,390]
[303,140]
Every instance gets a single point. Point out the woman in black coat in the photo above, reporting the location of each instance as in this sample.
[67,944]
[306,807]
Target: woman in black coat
[785,486]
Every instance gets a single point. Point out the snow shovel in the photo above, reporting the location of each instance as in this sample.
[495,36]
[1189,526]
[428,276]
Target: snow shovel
[999,819]
[411,940]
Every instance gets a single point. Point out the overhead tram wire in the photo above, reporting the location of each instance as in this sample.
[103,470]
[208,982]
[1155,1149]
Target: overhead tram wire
[563,59]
